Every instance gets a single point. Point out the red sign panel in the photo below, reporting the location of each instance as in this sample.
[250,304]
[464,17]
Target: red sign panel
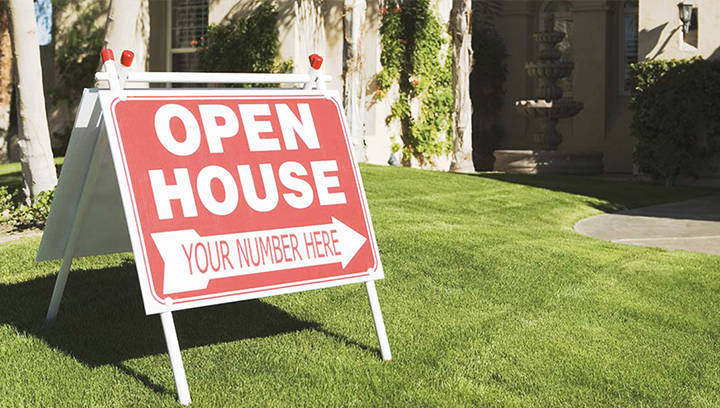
[234,195]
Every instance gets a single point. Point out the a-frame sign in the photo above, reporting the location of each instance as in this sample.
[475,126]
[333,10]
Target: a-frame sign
[222,195]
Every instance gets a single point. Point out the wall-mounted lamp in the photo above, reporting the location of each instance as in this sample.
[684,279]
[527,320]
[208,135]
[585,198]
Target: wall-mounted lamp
[685,11]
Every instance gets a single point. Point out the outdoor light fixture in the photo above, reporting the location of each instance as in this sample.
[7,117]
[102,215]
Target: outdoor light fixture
[685,10]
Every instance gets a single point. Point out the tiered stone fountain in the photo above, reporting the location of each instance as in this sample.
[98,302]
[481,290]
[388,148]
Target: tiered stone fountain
[549,107]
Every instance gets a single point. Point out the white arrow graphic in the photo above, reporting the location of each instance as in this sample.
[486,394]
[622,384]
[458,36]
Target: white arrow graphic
[191,261]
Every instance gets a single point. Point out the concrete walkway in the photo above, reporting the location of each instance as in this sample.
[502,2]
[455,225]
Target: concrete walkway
[692,225]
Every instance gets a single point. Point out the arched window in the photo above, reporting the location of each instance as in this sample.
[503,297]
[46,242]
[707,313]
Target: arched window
[628,42]
[563,22]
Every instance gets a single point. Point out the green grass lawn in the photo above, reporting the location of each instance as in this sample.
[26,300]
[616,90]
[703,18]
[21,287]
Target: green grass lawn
[490,299]
[11,175]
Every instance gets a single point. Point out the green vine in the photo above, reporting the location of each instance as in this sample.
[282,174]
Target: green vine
[415,56]
[244,44]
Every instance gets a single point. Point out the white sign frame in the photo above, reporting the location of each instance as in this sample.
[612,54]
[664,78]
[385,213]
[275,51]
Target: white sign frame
[76,211]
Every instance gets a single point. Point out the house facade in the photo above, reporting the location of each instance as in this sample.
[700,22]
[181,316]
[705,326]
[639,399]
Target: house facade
[603,38]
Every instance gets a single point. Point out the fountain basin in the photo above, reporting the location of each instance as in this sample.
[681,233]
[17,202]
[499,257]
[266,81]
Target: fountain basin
[549,37]
[549,110]
[549,69]
[549,162]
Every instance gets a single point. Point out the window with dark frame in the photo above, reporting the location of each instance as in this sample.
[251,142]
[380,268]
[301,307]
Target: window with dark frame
[628,42]
[188,26]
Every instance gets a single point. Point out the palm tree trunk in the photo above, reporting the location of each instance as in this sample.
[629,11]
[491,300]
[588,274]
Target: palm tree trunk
[461,160]
[6,83]
[128,28]
[36,157]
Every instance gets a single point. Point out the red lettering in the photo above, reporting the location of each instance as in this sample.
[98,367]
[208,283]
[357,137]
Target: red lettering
[335,242]
[188,255]
[294,246]
[285,247]
[326,243]
[277,250]
[202,269]
[210,257]
[318,243]
[264,250]
[225,252]
[309,245]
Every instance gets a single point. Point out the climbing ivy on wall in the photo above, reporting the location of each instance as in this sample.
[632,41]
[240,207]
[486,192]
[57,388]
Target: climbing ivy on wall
[244,44]
[415,55]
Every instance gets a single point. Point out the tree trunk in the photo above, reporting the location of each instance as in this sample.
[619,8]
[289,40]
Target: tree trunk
[461,160]
[6,83]
[354,87]
[128,28]
[36,157]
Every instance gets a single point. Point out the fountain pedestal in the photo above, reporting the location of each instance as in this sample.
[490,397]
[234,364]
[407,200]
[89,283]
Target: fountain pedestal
[549,107]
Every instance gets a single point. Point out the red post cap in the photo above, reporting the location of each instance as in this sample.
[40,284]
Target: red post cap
[316,61]
[126,58]
[107,55]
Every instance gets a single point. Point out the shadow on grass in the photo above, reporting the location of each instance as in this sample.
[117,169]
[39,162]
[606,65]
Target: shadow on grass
[619,195]
[12,180]
[102,320]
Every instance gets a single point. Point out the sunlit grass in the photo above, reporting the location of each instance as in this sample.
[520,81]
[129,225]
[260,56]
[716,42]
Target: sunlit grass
[491,299]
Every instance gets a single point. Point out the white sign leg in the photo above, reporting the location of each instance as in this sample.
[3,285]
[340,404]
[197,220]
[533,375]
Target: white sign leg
[175,358]
[377,317]
[100,145]
[59,288]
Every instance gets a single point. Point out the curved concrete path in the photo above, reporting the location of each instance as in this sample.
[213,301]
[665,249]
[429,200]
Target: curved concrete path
[692,225]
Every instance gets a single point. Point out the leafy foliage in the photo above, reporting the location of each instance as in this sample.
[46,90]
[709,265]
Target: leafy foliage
[487,82]
[244,44]
[19,215]
[77,54]
[414,55]
[676,125]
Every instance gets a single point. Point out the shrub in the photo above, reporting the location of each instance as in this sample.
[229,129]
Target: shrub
[675,121]
[244,44]
[20,215]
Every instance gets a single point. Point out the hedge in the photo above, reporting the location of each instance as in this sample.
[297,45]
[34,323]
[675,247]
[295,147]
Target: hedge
[676,118]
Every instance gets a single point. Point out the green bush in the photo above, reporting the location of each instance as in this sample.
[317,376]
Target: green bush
[19,215]
[245,44]
[676,122]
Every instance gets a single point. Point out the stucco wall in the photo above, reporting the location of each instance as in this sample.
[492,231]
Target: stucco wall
[661,36]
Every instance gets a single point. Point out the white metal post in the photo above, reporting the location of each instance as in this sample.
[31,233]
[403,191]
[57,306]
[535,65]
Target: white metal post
[316,77]
[175,357]
[377,317]
[88,188]
[125,61]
